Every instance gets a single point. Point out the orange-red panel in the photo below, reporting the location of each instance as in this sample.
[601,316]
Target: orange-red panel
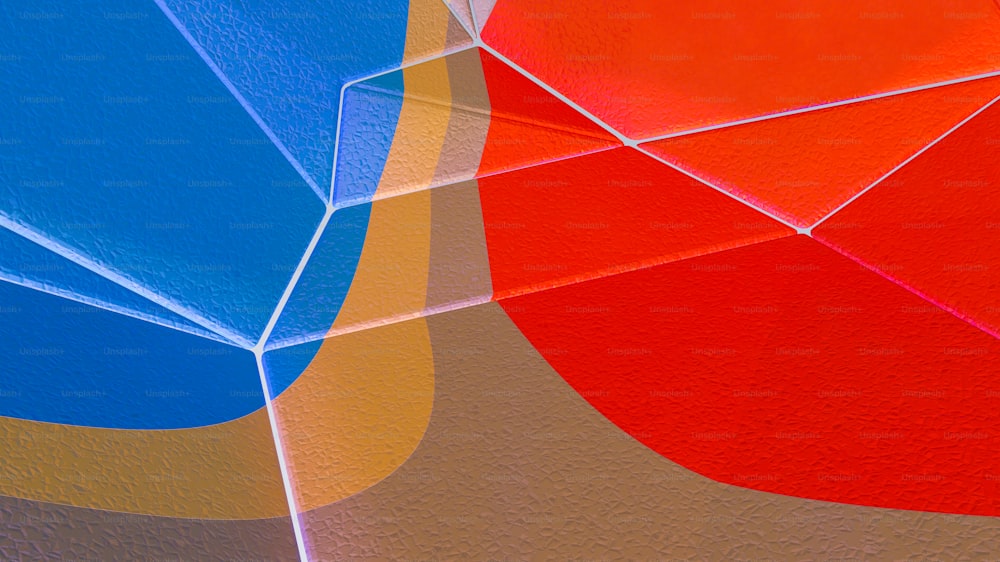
[652,67]
[604,213]
[801,167]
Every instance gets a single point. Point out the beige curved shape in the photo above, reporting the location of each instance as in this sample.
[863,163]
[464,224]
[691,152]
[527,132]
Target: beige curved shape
[224,471]
[516,465]
[345,424]
[391,278]
[426,249]
[361,406]
[357,412]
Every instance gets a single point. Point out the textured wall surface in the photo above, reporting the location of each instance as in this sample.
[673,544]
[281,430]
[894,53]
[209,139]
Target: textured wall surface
[515,465]
[499,280]
[649,68]
[45,531]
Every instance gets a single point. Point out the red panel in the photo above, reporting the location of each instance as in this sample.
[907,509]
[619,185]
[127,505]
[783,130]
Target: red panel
[603,213]
[787,368]
[801,167]
[650,67]
[529,125]
[935,224]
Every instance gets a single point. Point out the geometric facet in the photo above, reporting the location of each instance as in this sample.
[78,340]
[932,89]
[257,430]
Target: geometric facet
[788,368]
[801,167]
[934,225]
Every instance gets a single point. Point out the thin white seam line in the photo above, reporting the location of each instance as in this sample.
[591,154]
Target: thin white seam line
[408,64]
[383,321]
[475,22]
[340,108]
[631,143]
[622,138]
[472,9]
[829,105]
[631,267]
[944,307]
[635,143]
[488,14]
[239,98]
[108,307]
[332,197]
[458,18]
[290,288]
[425,100]
[293,510]
[354,202]
[904,163]
[86,262]
[769,214]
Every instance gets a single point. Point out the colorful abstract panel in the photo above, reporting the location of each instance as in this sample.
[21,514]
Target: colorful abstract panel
[499,279]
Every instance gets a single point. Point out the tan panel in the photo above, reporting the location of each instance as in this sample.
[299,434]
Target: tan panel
[32,530]
[357,412]
[457,36]
[462,10]
[224,471]
[391,278]
[420,130]
[460,265]
[470,118]
[426,29]
[516,465]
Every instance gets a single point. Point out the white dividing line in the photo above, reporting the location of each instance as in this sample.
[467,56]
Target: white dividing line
[340,108]
[627,141]
[451,8]
[332,197]
[290,288]
[239,98]
[293,510]
[820,106]
[475,20]
[763,211]
[903,163]
[258,348]
[108,307]
[597,121]
[475,23]
[384,321]
[84,261]
[354,202]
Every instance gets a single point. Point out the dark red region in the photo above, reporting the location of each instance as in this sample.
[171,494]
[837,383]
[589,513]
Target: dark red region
[784,367]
